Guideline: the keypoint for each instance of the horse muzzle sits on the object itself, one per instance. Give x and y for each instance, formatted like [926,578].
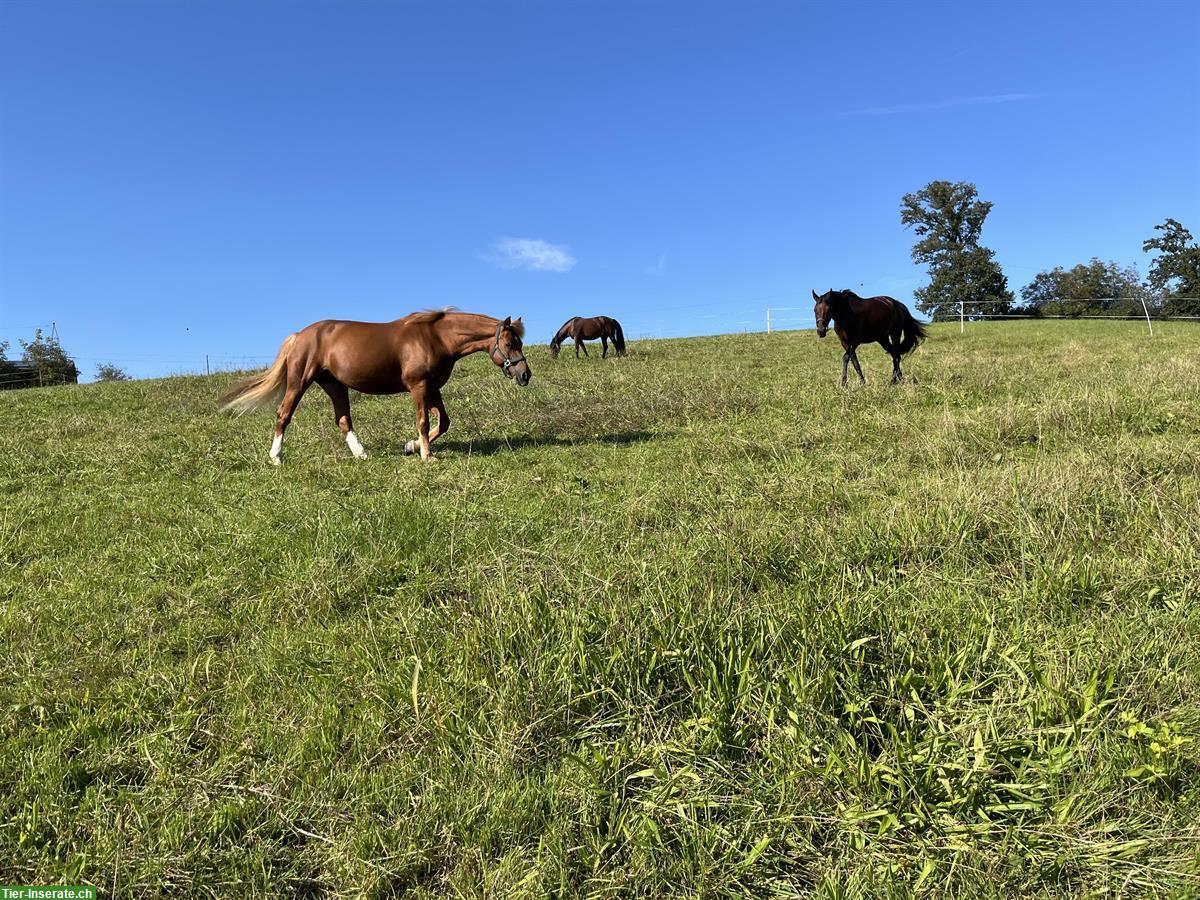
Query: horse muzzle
[821,332]
[519,372]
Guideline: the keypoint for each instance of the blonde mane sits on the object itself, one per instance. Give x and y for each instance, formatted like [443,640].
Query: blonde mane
[434,315]
[428,315]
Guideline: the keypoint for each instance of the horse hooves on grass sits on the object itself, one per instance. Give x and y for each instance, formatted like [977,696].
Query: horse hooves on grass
[410,448]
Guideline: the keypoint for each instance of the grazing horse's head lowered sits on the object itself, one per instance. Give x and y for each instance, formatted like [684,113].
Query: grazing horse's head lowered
[506,351]
[579,329]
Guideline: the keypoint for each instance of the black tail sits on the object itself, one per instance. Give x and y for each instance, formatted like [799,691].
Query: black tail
[618,336]
[914,331]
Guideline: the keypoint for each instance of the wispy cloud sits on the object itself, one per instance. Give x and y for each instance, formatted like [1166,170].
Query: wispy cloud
[659,269]
[530,253]
[943,104]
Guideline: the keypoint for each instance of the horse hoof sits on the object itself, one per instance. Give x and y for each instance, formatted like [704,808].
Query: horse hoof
[430,458]
[277,460]
[410,448]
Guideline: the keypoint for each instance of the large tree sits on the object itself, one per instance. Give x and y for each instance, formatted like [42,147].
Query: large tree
[1175,272]
[948,218]
[1091,288]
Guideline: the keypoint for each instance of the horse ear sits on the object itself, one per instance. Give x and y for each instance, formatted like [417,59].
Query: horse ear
[815,297]
[507,321]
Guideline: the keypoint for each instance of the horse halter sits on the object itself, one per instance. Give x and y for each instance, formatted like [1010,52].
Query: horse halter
[828,299]
[507,362]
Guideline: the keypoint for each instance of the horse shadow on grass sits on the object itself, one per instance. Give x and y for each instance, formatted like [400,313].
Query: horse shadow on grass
[492,446]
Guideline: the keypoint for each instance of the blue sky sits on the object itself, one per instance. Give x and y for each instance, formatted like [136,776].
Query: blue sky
[179,179]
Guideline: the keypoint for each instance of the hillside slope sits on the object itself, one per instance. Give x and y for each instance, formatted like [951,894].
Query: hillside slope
[696,621]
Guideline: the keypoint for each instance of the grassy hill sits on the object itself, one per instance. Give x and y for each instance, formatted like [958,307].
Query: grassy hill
[692,622]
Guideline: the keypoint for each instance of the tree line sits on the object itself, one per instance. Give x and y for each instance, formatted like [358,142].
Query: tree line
[44,362]
[948,218]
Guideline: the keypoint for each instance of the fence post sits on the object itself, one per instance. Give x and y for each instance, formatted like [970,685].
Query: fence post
[962,325]
[768,320]
[1146,310]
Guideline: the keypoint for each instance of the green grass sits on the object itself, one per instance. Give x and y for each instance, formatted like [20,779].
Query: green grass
[696,622]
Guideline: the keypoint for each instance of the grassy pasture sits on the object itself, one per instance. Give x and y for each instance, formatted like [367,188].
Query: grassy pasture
[696,622]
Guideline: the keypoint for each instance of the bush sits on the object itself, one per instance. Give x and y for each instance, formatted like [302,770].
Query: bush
[46,355]
[110,372]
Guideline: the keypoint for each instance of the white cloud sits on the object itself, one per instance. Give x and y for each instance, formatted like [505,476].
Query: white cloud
[659,268]
[530,253]
[942,104]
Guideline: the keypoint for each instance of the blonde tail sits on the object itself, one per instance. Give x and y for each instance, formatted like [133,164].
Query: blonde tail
[265,390]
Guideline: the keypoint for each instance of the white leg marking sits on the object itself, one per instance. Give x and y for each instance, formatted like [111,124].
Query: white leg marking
[277,450]
[411,447]
[355,445]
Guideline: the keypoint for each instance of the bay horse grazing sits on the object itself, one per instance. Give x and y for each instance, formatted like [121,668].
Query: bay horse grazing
[863,320]
[580,329]
[415,354]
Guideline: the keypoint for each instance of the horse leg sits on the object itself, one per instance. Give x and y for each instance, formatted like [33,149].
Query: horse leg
[579,343]
[297,383]
[897,375]
[420,395]
[846,359]
[443,424]
[891,346]
[854,362]
[339,394]
[604,342]
[852,354]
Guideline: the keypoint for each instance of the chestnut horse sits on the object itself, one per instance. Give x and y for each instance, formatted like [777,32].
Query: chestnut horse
[863,320]
[414,354]
[603,327]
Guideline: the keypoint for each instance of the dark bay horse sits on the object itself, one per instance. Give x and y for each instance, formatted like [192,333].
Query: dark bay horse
[414,354]
[863,320]
[603,327]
